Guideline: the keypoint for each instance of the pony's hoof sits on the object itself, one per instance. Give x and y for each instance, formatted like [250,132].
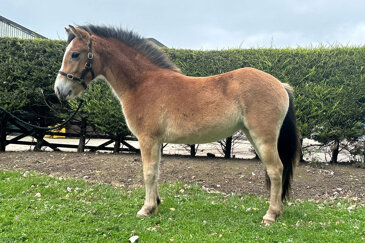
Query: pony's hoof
[268,219]
[145,212]
[141,213]
[267,222]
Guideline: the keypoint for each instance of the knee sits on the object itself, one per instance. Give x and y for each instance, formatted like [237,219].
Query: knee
[150,177]
[151,173]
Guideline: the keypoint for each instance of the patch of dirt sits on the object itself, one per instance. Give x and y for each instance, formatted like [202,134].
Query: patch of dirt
[325,182]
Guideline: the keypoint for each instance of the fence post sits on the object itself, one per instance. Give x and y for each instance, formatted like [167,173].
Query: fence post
[227,152]
[39,136]
[117,144]
[81,147]
[192,150]
[3,124]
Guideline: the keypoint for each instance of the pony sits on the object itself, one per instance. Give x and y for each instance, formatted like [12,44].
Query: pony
[161,105]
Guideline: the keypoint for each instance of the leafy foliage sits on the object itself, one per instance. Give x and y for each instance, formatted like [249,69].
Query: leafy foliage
[28,68]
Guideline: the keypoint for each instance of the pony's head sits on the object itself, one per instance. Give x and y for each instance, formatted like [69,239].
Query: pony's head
[77,69]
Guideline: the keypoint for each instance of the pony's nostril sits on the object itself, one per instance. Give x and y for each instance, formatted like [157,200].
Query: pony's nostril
[68,96]
[64,94]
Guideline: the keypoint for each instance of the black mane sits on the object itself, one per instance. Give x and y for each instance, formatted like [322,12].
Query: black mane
[132,39]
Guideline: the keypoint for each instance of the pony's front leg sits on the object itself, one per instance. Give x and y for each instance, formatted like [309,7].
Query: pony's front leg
[151,154]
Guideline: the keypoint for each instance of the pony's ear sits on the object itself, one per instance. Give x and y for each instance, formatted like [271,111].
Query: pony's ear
[77,32]
[67,30]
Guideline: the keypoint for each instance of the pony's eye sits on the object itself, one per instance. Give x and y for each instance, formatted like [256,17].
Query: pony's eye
[75,55]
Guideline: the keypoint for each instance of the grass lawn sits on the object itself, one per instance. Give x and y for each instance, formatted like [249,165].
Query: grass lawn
[40,208]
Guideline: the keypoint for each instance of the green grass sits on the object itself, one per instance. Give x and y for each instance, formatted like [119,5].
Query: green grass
[44,209]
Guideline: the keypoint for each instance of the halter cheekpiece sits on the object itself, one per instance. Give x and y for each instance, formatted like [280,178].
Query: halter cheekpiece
[87,69]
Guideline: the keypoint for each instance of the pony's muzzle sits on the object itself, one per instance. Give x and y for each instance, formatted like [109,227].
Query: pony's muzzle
[63,94]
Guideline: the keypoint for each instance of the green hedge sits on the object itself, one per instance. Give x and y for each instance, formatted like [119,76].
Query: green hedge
[28,69]
[329,82]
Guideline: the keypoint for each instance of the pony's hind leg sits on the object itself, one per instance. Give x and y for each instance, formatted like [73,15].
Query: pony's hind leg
[270,157]
[151,154]
[266,148]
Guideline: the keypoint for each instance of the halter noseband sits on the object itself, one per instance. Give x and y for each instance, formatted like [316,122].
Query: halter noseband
[88,68]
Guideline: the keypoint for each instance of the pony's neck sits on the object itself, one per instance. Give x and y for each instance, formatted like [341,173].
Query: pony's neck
[124,67]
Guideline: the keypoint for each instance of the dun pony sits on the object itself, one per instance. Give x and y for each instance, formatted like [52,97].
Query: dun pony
[161,105]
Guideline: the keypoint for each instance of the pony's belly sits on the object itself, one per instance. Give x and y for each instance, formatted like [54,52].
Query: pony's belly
[202,135]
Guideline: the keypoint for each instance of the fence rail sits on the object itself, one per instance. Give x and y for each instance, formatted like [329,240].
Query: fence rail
[121,144]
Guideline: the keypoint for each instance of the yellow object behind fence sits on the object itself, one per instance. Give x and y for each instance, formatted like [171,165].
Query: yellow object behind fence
[62,130]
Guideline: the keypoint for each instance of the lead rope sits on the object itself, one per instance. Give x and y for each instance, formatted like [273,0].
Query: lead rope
[44,128]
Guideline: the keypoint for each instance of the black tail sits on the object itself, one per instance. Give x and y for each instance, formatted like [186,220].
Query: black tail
[288,145]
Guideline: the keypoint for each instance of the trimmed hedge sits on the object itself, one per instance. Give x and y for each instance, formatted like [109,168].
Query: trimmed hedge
[28,68]
[329,82]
